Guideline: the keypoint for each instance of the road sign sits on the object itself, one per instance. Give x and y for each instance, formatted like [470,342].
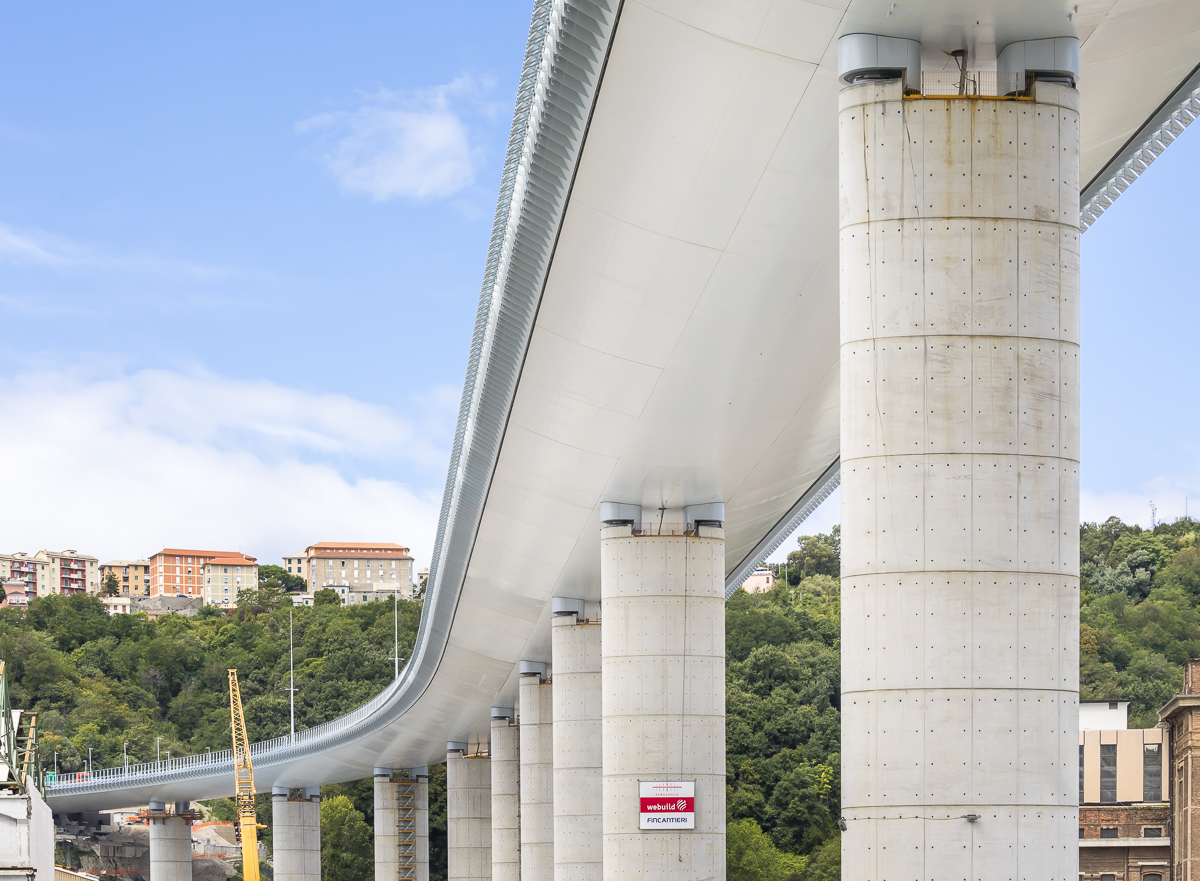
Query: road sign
[669,805]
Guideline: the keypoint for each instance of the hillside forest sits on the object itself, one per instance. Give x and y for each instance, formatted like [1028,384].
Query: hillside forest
[108,684]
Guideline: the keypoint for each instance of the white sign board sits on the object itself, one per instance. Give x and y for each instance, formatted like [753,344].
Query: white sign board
[669,805]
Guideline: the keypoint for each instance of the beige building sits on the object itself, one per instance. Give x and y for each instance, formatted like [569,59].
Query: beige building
[51,572]
[225,576]
[760,580]
[363,569]
[132,575]
[297,565]
[1124,797]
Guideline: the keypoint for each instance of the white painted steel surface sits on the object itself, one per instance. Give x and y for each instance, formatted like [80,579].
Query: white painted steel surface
[663,701]
[296,838]
[468,817]
[667,296]
[506,801]
[960,484]
[170,849]
[578,792]
[536,710]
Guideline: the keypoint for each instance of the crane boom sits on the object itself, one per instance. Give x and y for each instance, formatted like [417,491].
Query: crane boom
[243,771]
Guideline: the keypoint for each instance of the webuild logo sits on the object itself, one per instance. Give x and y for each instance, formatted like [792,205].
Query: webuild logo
[668,805]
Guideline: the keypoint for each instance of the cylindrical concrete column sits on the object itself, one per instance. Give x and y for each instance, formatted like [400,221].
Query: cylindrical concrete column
[422,777]
[537,779]
[468,817]
[960,487]
[578,798]
[506,797]
[296,835]
[387,827]
[170,847]
[663,704]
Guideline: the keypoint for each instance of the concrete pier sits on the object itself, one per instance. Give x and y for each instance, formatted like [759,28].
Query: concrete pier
[663,707]
[170,842]
[387,825]
[960,499]
[537,778]
[421,775]
[296,834]
[578,799]
[468,816]
[506,801]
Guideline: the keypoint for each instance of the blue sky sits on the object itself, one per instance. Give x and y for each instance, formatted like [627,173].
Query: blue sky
[241,247]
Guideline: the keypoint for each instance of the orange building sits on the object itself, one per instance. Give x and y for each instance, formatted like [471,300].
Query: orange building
[180,572]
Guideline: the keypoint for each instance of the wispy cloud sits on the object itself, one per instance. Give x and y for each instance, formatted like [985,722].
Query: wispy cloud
[122,464]
[413,145]
[30,247]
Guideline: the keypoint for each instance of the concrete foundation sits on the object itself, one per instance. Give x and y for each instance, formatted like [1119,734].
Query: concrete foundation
[960,511]
[537,779]
[663,705]
[296,835]
[170,847]
[506,801]
[468,817]
[387,825]
[578,799]
[422,779]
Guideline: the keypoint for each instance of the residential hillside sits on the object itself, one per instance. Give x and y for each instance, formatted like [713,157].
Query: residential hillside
[101,682]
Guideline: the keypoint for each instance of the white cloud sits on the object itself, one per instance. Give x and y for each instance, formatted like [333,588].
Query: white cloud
[120,466]
[413,146]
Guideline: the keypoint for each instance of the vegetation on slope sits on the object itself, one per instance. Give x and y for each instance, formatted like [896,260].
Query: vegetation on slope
[101,682]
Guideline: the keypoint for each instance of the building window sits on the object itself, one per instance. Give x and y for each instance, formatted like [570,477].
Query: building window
[1108,832]
[1152,772]
[1152,877]
[1081,832]
[1152,832]
[1108,876]
[1108,773]
[1081,780]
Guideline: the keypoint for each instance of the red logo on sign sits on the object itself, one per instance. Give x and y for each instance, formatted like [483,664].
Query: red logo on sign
[668,805]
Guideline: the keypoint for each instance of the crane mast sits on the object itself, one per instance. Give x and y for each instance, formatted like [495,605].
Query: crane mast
[243,772]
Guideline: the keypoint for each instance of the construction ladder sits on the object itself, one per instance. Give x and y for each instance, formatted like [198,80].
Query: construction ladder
[406,829]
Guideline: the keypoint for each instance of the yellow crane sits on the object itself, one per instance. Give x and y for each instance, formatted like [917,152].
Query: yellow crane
[243,772]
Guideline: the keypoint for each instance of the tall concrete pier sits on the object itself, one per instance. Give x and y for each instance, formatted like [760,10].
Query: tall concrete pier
[468,815]
[387,827]
[663,704]
[960,414]
[506,800]
[421,775]
[537,778]
[578,800]
[296,834]
[170,842]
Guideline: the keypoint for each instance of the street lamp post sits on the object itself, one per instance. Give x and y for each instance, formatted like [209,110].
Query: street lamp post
[125,753]
[291,678]
[56,766]
[158,749]
[89,760]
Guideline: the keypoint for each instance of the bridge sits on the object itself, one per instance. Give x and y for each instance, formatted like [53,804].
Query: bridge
[682,346]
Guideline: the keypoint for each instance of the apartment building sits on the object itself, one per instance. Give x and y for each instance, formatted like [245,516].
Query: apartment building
[297,565]
[180,571]
[225,576]
[760,580]
[51,572]
[381,568]
[1124,800]
[132,575]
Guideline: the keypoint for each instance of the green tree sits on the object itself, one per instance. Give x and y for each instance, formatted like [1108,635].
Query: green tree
[346,845]
[282,577]
[326,596]
[111,586]
[750,855]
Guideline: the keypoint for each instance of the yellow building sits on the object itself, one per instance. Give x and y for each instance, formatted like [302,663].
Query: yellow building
[132,575]
[226,576]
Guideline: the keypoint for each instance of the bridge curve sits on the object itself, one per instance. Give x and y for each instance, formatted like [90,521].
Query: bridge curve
[658,324]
